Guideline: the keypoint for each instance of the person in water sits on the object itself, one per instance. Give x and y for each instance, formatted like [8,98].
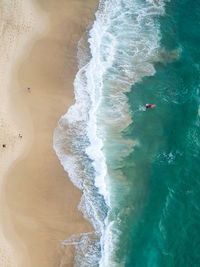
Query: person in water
[149,106]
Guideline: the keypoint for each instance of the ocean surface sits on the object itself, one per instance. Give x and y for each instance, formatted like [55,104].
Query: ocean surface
[139,170]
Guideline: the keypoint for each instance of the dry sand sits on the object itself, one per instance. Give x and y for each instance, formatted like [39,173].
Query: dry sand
[38,201]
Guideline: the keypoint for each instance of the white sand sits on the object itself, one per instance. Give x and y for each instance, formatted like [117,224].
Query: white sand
[38,202]
[19,25]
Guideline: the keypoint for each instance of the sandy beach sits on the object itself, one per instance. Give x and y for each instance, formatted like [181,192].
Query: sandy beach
[38,207]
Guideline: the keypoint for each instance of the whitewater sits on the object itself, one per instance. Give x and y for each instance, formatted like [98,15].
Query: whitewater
[89,140]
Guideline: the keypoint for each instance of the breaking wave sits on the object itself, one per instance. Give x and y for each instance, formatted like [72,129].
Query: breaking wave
[124,43]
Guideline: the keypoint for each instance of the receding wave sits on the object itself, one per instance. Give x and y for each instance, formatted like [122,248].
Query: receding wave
[124,43]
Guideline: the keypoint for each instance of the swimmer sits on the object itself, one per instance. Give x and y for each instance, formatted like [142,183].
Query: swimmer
[149,106]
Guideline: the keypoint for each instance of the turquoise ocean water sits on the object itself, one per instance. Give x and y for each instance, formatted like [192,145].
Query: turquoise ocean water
[138,170]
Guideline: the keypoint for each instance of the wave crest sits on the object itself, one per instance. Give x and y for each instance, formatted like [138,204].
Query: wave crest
[124,44]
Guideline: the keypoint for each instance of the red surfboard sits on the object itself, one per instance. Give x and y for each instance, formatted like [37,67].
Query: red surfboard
[149,106]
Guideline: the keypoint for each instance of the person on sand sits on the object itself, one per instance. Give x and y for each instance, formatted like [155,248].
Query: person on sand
[4,145]
[29,89]
[20,136]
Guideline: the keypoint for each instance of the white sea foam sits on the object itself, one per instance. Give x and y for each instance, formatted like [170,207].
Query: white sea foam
[124,44]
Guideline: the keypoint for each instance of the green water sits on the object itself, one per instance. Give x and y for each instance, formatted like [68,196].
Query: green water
[162,224]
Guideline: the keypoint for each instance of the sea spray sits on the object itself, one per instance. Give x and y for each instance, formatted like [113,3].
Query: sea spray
[129,44]
[124,43]
[70,144]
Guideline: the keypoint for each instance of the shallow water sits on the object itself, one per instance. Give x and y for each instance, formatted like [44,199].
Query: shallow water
[138,170]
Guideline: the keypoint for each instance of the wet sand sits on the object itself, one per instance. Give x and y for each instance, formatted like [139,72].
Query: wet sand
[38,201]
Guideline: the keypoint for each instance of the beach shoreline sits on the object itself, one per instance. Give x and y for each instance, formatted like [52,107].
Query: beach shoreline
[38,201]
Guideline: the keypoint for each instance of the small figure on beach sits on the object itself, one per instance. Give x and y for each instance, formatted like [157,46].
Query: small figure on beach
[20,136]
[29,89]
[4,145]
[149,106]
